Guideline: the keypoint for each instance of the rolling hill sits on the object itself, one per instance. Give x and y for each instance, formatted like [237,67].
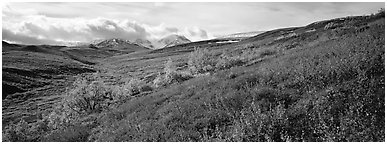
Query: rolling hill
[35,74]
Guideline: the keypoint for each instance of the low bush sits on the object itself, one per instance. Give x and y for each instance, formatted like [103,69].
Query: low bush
[24,132]
[135,86]
[201,61]
[204,60]
[171,75]
[225,61]
[88,98]
[267,52]
[77,114]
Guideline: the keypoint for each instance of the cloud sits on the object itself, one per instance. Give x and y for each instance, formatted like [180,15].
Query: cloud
[76,21]
[25,39]
[198,32]
[105,28]
[195,33]
[159,4]
[40,29]
[29,26]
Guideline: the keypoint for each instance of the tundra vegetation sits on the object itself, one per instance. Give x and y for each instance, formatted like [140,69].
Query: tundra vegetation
[320,85]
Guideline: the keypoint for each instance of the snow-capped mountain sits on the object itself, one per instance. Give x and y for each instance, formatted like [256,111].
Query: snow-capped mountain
[113,43]
[118,44]
[72,43]
[96,41]
[168,41]
[172,40]
[144,43]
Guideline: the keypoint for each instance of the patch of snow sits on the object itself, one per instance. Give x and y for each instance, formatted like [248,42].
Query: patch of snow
[312,30]
[242,35]
[230,41]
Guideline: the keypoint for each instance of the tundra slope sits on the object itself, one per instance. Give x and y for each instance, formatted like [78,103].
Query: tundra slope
[321,82]
[34,76]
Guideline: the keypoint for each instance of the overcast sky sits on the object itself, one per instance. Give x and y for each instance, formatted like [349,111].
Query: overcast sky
[53,23]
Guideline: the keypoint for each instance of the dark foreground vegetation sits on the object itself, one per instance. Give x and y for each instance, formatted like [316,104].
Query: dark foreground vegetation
[322,82]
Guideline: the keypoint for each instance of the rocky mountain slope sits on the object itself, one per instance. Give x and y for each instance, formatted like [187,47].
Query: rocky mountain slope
[172,40]
[144,43]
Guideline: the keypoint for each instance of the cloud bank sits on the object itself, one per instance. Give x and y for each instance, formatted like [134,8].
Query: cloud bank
[35,28]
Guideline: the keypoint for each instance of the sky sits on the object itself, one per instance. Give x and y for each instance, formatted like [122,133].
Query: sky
[57,23]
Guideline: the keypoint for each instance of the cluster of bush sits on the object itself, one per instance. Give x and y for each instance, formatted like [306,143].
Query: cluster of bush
[330,92]
[171,75]
[76,115]
[204,60]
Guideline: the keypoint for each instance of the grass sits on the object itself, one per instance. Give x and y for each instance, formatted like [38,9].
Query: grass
[322,89]
[29,77]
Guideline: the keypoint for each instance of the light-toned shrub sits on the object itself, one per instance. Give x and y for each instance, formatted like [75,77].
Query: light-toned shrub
[330,25]
[171,75]
[133,86]
[199,59]
[159,81]
[87,98]
[226,61]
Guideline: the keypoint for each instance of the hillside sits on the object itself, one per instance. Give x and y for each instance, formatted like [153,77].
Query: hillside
[242,35]
[320,82]
[36,74]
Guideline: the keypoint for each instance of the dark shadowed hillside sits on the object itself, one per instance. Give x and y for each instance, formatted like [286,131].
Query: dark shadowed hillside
[34,75]
[320,82]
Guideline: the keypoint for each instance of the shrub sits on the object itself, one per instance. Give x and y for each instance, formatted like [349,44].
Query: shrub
[171,75]
[88,98]
[330,25]
[159,81]
[133,86]
[145,88]
[267,52]
[201,61]
[170,72]
[78,113]
[225,61]
[24,132]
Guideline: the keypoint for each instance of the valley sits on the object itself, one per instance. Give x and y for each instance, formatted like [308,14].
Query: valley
[319,82]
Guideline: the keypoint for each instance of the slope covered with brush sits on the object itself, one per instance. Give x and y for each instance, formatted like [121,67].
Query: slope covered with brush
[321,82]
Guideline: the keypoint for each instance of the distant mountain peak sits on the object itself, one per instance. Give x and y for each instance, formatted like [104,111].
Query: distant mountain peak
[113,42]
[168,41]
[173,40]
[144,43]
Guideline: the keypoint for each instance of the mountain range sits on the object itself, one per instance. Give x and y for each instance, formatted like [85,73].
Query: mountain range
[167,41]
